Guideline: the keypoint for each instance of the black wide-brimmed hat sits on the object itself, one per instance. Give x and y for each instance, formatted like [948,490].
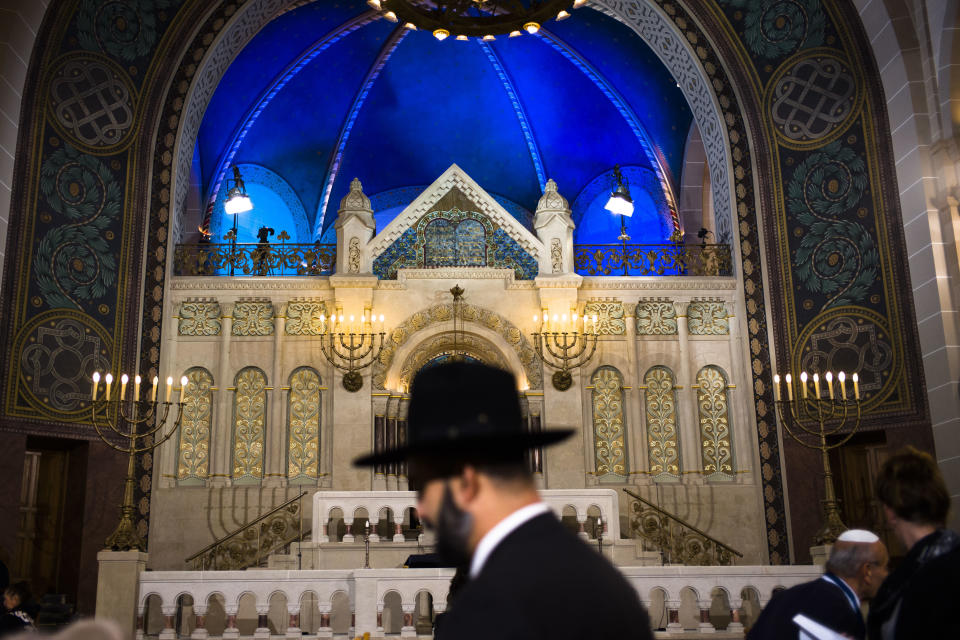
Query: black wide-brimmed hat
[467,410]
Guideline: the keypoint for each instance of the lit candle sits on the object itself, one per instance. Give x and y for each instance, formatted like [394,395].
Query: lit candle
[789,380]
[803,384]
[381,322]
[109,380]
[563,319]
[595,330]
[574,320]
[323,323]
[776,387]
[352,324]
[124,379]
[842,377]
[556,320]
[829,377]
[169,388]
[96,383]
[340,324]
[153,389]
[816,385]
[136,388]
[856,387]
[183,387]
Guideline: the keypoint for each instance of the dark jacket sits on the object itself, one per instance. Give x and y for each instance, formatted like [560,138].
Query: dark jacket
[15,621]
[819,600]
[543,582]
[922,591]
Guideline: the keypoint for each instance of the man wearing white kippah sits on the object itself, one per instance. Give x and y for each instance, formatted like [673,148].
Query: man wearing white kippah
[855,570]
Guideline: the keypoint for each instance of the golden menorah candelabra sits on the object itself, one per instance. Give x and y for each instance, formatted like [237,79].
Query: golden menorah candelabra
[561,345]
[129,420]
[821,423]
[351,347]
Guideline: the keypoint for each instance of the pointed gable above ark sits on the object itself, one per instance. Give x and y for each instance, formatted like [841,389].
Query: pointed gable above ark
[455,223]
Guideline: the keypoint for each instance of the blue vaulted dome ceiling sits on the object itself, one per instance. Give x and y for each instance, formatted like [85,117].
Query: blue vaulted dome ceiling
[328,92]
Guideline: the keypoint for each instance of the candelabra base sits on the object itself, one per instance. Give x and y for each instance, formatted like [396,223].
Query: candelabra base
[832,524]
[562,380]
[352,381]
[125,536]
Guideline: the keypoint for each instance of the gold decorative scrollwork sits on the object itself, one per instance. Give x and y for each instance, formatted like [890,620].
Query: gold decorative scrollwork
[609,453]
[199,318]
[249,420]
[663,450]
[678,543]
[652,259]
[253,318]
[715,448]
[656,318]
[193,461]
[609,316]
[253,259]
[707,318]
[304,411]
[303,318]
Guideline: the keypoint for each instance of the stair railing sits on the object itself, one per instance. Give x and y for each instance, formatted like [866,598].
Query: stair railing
[254,541]
[679,541]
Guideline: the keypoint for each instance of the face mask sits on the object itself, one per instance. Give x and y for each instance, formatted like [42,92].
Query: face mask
[453,528]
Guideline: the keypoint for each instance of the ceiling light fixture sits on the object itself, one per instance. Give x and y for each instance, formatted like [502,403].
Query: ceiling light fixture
[237,199]
[440,34]
[620,202]
[475,18]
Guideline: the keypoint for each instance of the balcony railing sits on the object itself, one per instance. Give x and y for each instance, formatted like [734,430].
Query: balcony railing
[652,259]
[254,259]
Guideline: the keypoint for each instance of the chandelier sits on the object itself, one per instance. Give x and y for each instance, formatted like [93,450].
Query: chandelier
[484,19]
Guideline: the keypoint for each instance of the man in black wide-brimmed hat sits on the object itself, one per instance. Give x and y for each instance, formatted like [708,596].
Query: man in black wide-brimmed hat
[528,576]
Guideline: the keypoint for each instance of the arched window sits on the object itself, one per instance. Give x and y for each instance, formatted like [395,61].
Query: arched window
[303,426]
[716,449]
[663,450]
[249,424]
[609,452]
[193,459]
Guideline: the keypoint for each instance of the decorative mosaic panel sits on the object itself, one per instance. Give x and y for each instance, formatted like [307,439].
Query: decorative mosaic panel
[249,423]
[656,318]
[610,456]
[716,450]
[193,461]
[609,314]
[199,318]
[253,319]
[663,451]
[303,414]
[706,318]
[303,318]
[455,238]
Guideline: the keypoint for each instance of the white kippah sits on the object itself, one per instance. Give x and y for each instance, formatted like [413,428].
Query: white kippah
[858,535]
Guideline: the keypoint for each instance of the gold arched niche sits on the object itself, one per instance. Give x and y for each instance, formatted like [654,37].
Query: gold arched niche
[443,343]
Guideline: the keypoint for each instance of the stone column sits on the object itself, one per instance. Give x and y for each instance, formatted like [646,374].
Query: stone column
[408,630]
[705,625]
[263,627]
[348,522]
[274,472]
[293,626]
[581,529]
[673,611]
[632,400]
[141,623]
[735,626]
[220,437]
[380,401]
[118,587]
[687,425]
[380,618]
[231,632]
[398,526]
[168,611]
[200,630]
[554,227]
[168,454]
[355,227]
[324,631]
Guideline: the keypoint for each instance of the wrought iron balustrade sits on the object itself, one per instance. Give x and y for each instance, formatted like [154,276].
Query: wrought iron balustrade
[254,259]
[679,541]
[652,259]
[250,545]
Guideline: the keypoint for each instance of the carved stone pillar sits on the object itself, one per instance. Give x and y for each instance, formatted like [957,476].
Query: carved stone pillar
[554,227]
[231,632]
[325,631]
[220,436]
[355,228]
[168,611]
[380,618]
[398,527]
[735,626]
[673,612]
[408,630]
[687,424]
[293,625]
[581,530]
[141,623]
[275,472]
[200,616]
[348,536]
[263,627]
[705,625]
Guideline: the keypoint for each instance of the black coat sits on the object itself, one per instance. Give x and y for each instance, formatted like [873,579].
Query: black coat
[819,600]
[926,585]
[542,582]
